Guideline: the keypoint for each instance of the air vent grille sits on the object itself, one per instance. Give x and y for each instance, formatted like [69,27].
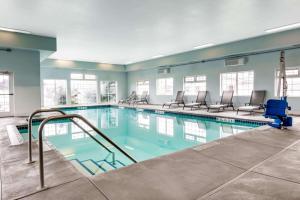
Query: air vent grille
[234,62]
[164,71]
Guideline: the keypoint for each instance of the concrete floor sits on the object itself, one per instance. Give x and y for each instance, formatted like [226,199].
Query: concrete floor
[263,163]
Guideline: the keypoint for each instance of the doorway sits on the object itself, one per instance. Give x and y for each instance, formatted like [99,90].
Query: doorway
[6,94]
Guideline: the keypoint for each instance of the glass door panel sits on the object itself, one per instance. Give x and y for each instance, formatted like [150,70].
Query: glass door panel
[108,90]
[6,94]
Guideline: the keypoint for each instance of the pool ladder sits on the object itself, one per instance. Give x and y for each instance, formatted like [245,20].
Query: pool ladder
[71,117]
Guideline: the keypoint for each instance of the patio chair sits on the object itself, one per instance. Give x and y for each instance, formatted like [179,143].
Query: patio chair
[130,98]
[200,101]
[257,100]
[143,98]
[179,100]
[226,102]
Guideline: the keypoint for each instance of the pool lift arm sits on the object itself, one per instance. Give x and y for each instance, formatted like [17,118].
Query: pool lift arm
[277,108]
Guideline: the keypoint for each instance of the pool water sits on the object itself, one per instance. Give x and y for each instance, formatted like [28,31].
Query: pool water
[142,134]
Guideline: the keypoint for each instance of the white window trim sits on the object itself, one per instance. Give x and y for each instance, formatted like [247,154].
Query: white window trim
[100,92]
[293,76]
[195,76]
[87,80]
[43,90]
[136,85]
[236,92]
[156,92]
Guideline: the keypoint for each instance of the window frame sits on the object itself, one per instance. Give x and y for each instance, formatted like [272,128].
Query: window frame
[108,94]
[84,78]
[55,80]
[236,88]
[194,81]
[136,86]
[288,76]
[164,93]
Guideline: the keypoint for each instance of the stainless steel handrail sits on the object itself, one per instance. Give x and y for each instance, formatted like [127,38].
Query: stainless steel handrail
[63,113]
[72,117]
[30,128]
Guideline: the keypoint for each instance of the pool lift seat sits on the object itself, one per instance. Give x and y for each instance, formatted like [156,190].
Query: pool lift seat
[276,109]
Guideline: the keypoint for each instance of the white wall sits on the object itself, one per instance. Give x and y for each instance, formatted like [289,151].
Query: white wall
[64,73]
[25,66]
[263,65]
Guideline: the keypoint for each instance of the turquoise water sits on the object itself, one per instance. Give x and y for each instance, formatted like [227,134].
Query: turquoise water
[143,135]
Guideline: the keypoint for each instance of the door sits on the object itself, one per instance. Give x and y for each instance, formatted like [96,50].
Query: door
[6,94]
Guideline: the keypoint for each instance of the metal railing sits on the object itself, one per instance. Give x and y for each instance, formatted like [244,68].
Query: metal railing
[30,119]
[63,113]
[70,117]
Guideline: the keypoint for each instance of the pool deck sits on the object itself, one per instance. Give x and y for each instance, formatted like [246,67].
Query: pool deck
[262,163]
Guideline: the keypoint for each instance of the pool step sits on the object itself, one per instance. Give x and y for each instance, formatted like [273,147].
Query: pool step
[119,164]
[81,167]
[92,167]
[106,165]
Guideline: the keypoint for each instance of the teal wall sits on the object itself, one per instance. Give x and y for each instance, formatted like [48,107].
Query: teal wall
[25,66]
[263,65]
[45,45]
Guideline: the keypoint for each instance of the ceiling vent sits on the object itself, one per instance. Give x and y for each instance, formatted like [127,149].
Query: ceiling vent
[164,71]
[234,62]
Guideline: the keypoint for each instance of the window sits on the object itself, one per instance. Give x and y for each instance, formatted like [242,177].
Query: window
[164,86]
[55,92]
[76,76]
[240,82]
[193,84]
[293,82]
[142,86]
[83,92]
[83,89]
[165,126]
[108,91]
[4,91]
[245,83]
[228,82]
[90,76]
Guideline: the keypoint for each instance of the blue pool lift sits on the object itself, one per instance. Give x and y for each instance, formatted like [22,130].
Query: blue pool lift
[277,108]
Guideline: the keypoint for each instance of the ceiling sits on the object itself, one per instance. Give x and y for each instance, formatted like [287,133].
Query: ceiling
[127,31]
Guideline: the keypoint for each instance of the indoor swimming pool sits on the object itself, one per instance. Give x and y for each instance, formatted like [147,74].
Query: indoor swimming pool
[142,134]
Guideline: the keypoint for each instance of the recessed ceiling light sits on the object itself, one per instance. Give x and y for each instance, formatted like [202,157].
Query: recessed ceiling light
[157,56]
[203,46]
[14,30]
[282,28]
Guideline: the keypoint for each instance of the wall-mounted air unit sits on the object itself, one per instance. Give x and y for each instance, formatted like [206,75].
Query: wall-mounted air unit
[164,71]
[234,62]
